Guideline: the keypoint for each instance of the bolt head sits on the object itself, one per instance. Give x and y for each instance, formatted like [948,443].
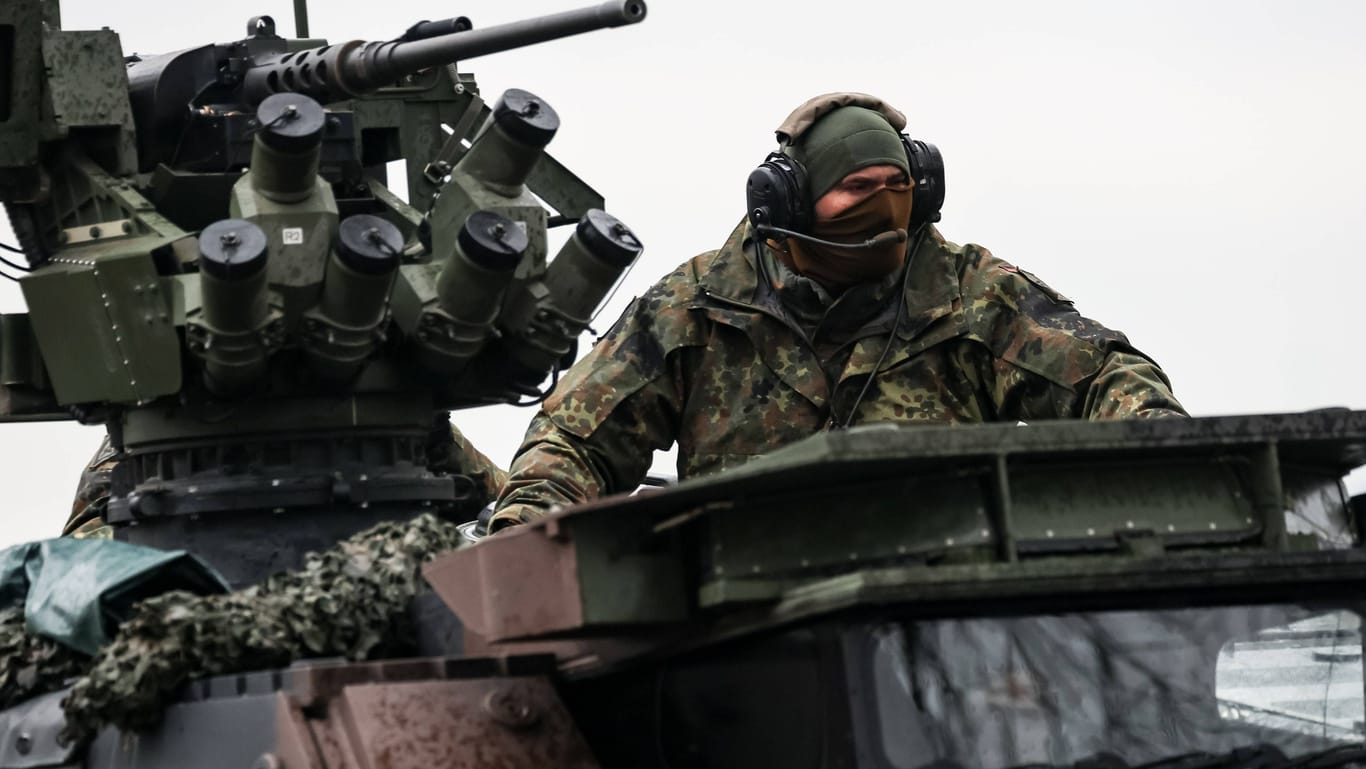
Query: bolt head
[510,709]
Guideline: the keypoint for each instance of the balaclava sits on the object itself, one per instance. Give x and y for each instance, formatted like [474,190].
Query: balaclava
[839,142]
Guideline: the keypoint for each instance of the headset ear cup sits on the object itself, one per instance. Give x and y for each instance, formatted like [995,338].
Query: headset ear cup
[927,169]
[775,194]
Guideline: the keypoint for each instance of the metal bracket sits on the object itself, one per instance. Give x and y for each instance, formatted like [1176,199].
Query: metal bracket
[117,228]
[454,148]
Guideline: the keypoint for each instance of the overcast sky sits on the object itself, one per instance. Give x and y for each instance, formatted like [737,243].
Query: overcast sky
[1193,174]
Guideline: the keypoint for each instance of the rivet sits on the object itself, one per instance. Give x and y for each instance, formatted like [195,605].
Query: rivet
[510,710]
[1048,533]
[1090,532]
[949,542]
[1213,525]
[1128,524]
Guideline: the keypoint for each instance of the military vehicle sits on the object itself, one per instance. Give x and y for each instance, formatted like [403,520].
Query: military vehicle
[217,272]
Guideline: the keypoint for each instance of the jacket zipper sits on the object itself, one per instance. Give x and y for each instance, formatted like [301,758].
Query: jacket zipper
[830,422]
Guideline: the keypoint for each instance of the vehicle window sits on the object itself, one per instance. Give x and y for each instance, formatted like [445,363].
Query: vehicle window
[1126,688]
[1302,677]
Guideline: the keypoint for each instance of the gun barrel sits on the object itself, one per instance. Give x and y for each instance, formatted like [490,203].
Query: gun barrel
[425,29]
[351,69]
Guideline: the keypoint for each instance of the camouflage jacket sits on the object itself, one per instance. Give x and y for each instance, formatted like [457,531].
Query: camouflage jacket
[708,359]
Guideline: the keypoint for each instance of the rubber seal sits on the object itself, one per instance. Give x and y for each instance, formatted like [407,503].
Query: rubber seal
[492,241]
[232,249]
[607,238]
[369,244]
[291,122]
[524,116]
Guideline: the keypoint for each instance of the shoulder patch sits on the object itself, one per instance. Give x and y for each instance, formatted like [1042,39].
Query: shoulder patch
[1048,291]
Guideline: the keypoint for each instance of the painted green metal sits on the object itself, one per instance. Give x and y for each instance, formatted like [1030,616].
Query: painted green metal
[932,517]
[122,346]
[86,88]
[225,396]
[21,46]
[86,201]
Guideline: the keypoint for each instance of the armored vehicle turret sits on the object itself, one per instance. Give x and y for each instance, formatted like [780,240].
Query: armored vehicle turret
[217,272]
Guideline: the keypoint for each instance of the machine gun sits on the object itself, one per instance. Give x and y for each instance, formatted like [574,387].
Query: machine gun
[217,271]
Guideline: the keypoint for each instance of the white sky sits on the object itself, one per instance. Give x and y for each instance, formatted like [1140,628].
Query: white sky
[1192,173]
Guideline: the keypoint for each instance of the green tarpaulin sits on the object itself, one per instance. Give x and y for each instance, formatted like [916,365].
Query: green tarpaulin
[77,591]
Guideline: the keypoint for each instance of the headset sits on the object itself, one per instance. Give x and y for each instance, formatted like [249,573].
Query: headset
[778,199]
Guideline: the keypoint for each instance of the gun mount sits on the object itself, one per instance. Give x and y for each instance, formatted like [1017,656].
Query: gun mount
[218,273]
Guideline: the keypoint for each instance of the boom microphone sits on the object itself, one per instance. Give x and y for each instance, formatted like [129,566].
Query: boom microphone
[893,236]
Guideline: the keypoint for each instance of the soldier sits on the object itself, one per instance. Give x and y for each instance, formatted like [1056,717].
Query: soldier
[816,315]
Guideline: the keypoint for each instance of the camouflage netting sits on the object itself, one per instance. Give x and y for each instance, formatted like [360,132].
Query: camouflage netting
[31,665]
[348,601]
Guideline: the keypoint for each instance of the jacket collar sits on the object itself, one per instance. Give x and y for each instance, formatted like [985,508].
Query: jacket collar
[731,272]
[931,287]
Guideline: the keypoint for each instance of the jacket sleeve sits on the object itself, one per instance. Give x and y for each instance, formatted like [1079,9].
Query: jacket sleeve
[450,452]
[1046,360]
[597,431]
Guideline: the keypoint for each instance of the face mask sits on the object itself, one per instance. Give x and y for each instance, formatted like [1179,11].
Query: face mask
[838,268]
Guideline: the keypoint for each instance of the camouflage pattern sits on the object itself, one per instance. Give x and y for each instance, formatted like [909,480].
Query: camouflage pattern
[450,452]
[92,496]
[30,664]
[708,358]
[349,601]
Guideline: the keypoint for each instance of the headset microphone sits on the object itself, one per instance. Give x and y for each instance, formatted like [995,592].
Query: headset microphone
[893,236]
